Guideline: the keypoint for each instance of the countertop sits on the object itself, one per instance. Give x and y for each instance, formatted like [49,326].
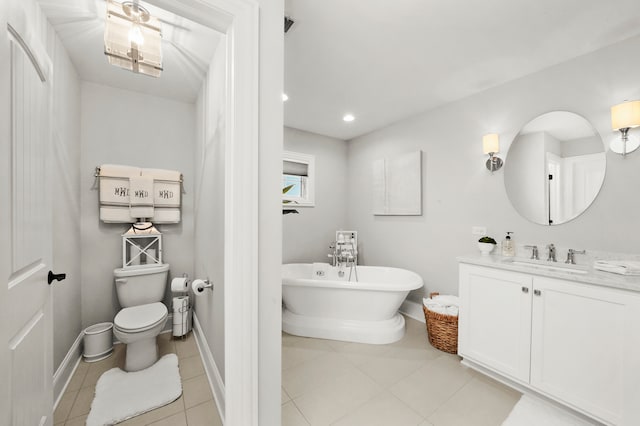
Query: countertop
[592,276]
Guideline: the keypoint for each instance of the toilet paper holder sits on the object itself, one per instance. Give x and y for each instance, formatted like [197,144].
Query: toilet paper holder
[206,285]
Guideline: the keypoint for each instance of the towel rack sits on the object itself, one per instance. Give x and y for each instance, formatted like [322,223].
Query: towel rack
[96,174]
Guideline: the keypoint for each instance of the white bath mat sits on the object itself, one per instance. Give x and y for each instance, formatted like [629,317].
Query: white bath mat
[121,395]
[531,411]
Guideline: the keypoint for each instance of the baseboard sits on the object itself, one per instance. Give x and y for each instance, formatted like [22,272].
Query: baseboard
[210,367]
[67,367]
[412,310]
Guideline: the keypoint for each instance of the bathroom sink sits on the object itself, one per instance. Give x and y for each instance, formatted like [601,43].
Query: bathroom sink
[549,266]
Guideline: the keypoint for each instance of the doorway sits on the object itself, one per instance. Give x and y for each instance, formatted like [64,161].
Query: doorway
[239,21]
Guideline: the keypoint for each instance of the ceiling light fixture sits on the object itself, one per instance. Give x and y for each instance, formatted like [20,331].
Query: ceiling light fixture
[133,38]
[625,116]
[348,118]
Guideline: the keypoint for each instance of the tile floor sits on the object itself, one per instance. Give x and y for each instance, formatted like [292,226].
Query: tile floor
[326,382]
[194,408]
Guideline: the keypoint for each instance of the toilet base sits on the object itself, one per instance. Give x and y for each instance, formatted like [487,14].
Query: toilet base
[141,354]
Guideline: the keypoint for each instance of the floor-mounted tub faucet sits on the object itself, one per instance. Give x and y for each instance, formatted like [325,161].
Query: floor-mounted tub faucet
[344,253]
[334,254]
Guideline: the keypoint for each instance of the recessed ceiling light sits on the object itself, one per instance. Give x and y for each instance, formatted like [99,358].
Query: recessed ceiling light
[348,118]
[285,97]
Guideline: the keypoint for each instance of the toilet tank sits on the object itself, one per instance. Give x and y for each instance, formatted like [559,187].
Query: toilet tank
[140,285]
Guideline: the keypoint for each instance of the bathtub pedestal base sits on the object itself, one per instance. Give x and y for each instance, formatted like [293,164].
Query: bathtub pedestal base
[359,331]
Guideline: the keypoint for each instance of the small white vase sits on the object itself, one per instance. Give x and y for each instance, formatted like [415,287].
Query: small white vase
[486,248]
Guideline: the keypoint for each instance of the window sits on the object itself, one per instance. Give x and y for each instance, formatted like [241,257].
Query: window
[298,172]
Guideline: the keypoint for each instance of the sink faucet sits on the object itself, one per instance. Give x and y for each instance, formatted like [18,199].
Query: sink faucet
[552,253]
[570,258]
[534,252]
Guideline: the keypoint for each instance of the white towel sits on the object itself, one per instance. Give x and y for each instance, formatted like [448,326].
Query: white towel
[166,194]
[161,174]
[166,187]
[113,214]
[165,215]
[622,267]
[141,197]
[118,171]
[447,305]
[114,183]
[447,300]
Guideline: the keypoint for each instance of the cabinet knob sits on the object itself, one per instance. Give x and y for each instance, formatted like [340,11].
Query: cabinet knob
[525,289]
[537,292]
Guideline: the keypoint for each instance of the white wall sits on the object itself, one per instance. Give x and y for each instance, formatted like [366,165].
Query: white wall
[210,204]
[525,176]
[307,235]
[124,127]
[269,312]
[459,192]
[67,323]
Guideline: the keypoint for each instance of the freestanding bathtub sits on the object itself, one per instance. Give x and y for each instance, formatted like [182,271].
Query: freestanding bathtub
[320,303]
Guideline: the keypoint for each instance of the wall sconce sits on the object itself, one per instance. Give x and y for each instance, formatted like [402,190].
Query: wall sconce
[491,146]
[133,38]
[625,116]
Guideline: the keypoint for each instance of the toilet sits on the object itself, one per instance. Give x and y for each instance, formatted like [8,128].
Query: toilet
[143,316]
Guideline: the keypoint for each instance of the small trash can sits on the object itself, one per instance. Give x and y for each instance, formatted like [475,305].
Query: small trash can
[98,341]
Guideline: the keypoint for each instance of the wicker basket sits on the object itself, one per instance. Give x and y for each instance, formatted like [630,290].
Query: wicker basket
[442,329]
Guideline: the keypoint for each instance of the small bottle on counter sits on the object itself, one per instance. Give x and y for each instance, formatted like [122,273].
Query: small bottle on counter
[508,246]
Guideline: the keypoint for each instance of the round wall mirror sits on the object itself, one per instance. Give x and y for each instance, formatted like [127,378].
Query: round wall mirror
[554,168]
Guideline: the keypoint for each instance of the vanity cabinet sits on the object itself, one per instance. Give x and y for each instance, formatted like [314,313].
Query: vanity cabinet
[495,320]
[576,343]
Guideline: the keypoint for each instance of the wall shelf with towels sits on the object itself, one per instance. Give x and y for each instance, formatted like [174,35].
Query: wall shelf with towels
[129,194]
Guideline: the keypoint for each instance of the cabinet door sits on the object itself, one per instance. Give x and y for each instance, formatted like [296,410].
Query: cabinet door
[584,347]
[495,320]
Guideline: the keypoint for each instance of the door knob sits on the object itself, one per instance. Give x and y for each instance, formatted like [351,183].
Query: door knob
[58,277]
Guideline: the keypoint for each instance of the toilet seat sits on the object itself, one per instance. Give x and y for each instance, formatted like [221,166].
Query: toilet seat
[140,318]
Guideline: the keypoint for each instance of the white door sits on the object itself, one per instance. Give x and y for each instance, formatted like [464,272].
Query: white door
[585,175]
[26,327]
[495,320]
[583,347]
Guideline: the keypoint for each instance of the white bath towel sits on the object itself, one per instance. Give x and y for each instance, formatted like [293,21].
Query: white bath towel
[447,305]
[115,214]
[161,174]
[166,215]
[118,171]
[166,194]
[114,184]
[167,186]
[447,300]
[622,267]
[141,196]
